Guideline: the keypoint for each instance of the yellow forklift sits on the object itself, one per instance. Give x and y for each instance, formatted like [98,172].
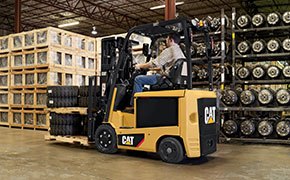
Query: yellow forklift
[169,118]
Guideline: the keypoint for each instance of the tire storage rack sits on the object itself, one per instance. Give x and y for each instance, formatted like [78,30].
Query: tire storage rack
[255,107]
[218,32]
[30,62]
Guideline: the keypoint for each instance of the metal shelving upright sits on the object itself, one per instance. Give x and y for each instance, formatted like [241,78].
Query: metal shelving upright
[220,35]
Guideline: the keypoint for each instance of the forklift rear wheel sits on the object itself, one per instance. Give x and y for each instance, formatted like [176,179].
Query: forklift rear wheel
[105,139]
[170,150]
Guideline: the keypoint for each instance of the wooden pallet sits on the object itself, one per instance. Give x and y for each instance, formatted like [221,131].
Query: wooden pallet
[82,140]
[29,118]
[50,36]
[23,126]
[39,78]
[28,98]
[69,110]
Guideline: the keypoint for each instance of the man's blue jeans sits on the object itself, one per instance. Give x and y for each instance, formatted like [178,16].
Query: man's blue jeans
[142,80]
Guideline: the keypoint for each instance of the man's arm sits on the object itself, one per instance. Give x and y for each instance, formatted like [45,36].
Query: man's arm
[143,66]
[157,62]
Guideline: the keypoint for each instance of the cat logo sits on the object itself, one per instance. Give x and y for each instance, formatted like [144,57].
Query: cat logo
[134,140]
[209,115]
[128,140]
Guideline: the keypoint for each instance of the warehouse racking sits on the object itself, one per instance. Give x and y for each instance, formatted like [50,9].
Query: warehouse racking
[256,122]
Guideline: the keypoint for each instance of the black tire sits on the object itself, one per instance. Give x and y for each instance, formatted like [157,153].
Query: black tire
[83,101]
[171,150]
[62,102]
[52,130]
[84,91]
[62,91]
[106,139]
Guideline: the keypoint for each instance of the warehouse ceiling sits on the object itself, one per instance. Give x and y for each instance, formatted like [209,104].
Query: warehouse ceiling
[117,16]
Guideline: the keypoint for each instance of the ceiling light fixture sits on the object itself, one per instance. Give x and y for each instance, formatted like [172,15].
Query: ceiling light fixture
[94,31]
[69,24]
[163,6]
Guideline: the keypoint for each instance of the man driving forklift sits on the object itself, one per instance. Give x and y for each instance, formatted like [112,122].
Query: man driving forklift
[162,64]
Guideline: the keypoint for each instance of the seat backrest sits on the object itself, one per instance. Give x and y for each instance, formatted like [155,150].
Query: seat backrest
[175,73]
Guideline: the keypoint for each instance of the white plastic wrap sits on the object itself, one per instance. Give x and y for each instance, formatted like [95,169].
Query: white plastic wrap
[17,41]
[3,116]
[80,43]
[68,79]
[17,117]
[41,119]
[18,60]
[91,46]
[81,61]
[68,59]
[55,37]
[41,37]
[42,78]
[4,44]
[56,78]
[4,80]
[29,59]
[29,99]
[29,79]
[3,98]
[91,63]
[17,98]
[67,40]
[42,58]
[18,79]
[29,39]
[56,57]
[81,80]
[28,118]
[41,98]
[3,62]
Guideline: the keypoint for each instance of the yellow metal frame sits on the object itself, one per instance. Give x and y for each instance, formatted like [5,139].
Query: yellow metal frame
[188,124]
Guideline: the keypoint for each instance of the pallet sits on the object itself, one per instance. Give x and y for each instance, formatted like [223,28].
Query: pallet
[50,36]
[53,58]
[21,126]
[40,78]
[34,118]
[28,98]
[82,140]
[69,110]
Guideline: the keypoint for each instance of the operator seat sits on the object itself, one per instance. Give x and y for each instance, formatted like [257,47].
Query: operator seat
[175,80]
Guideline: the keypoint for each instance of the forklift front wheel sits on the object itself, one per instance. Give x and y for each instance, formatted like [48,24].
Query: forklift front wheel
[170,150]
[106,139]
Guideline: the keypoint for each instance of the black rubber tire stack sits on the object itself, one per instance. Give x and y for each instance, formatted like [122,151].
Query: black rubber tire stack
[83,99]
[65,124]
[83,96]
[62,96]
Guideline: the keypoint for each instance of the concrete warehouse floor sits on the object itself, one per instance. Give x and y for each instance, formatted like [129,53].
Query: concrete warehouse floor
[25,155]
